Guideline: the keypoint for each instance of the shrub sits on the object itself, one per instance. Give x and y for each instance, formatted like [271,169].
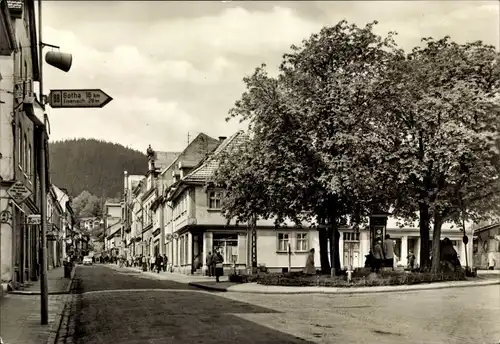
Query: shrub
[239,278]
[383,278]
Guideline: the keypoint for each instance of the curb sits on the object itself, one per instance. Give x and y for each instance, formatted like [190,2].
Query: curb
[60,292]
[208,287]
[56,326]
[343,291]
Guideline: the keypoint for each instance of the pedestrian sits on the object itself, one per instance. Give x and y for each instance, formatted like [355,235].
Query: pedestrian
[389,251]
[411,260]
[159,263]
[217,262]
[378,255]
[209,264]
[152,262]
[309,268]
[165,262]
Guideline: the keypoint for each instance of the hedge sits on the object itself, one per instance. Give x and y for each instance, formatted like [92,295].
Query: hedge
[359,279]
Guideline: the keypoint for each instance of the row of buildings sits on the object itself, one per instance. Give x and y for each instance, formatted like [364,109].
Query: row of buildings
[21,120]
[173,210]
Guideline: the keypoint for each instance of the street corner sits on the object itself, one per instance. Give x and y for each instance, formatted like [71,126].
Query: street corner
[255,288]
[213,286]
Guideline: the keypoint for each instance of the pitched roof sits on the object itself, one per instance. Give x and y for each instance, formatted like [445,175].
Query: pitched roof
[185,158]
[208,166]
[164,159]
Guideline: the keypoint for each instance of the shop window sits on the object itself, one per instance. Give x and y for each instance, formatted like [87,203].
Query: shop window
[227,245]
[283,241]
[302,242]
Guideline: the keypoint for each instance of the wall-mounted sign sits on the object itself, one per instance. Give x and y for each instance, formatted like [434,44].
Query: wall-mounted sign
[15,8]
[34,219]
[19,192]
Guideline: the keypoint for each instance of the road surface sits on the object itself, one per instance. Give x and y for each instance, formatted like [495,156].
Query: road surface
[120,307]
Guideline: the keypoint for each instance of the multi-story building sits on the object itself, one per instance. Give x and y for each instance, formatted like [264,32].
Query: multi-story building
[21,117]
[196,226]
[68,220]
[55,232]
[113,227]
[157,161]
[130,208]
[89,223]
[190,157]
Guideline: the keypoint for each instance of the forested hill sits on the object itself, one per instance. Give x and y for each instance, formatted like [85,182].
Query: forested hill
[93,165]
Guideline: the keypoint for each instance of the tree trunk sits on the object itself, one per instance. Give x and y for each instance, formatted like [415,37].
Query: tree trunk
[323,248]
[424,235]
[436,244]
[334,236]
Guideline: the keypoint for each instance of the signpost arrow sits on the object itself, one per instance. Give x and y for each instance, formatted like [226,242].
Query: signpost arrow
[78,98]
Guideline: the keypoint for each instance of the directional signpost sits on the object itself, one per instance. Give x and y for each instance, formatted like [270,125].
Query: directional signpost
[78,99]
[19,192]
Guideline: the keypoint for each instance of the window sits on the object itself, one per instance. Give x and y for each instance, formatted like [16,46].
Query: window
[283,241]
[25,151]
[28,166]
[214,200]
[302,242]
[20,146]
[228,246]
[351,236]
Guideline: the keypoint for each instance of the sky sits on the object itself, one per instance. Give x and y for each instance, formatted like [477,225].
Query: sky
[176,68]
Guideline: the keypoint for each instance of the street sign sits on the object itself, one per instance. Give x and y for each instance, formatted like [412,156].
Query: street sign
[19,192]
[78,98]
[34,219]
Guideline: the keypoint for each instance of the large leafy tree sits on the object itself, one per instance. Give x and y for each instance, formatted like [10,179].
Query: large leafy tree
[293,166]
[438,106]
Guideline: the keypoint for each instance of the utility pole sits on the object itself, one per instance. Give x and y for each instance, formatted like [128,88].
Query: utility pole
[43,194]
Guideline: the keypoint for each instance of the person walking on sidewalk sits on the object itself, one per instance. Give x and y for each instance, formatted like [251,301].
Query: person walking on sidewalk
[159,263]
[209,264]
[219,267]
[165,262]
[152,263]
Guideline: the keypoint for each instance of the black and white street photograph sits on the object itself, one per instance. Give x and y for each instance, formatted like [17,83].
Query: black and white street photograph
[221,172]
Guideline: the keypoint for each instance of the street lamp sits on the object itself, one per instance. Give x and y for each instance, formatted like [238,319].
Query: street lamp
[63,62]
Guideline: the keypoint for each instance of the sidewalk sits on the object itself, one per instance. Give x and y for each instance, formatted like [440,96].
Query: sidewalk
[169,276]
[484,278]
[20,315]
[57,284]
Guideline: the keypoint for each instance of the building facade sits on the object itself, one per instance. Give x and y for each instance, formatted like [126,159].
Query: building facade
[113,228]
[486,245]
[20,119]
[195,226]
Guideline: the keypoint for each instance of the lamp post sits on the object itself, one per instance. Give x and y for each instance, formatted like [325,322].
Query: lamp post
[63,62]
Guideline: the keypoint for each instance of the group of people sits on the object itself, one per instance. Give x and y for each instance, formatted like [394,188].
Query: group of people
[382,254]
[215,264]
[157,262]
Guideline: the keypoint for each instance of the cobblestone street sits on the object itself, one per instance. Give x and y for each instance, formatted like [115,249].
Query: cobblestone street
[110,305]
[468,315]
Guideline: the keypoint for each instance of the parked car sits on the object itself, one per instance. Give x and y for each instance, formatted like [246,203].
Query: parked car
[87,260]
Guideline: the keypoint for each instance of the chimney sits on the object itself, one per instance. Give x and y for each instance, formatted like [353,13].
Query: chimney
[222,138]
